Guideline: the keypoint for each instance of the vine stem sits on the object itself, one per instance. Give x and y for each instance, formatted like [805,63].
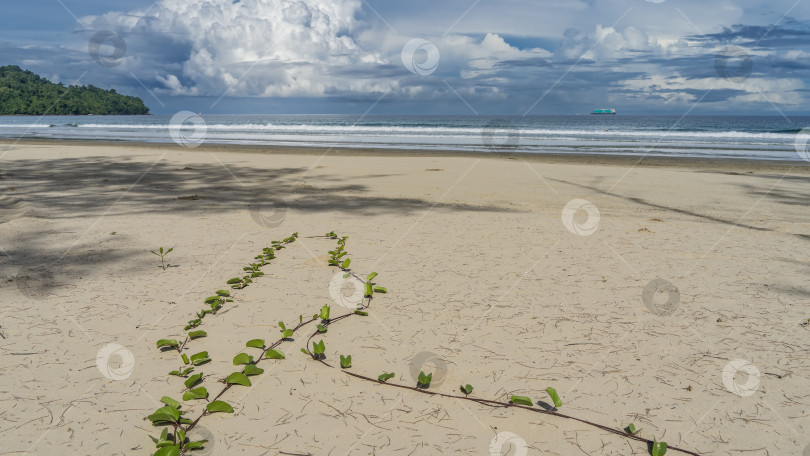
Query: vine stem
[494,403]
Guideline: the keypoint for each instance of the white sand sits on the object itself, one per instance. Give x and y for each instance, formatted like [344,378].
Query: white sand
[481,272]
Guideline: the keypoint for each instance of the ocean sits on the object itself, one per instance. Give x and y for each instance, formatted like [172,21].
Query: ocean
[754,137]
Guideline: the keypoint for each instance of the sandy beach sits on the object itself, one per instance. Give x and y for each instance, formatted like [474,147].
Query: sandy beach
[635,288]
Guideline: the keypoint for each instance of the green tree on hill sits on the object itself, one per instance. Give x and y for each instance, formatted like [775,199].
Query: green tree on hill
[25,93]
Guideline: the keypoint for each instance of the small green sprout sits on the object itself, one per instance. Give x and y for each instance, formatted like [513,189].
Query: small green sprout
[346,361]
[466,389]
[162,256]
[384,377]
[631,428]
[424,380]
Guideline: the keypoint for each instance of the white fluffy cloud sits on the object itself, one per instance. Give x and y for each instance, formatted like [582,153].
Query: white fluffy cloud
[249,47]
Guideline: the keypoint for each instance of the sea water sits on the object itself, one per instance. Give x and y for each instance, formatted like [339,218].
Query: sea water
[751,137]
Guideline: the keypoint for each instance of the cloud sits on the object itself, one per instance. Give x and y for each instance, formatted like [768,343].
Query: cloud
[250,47]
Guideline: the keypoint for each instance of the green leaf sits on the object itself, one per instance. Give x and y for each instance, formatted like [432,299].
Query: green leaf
[325,310]
[287,334]
[385,377]
[197,334]
[361,312]
[195,445]
[238,378]
[165,414]
[300,319]
[173,450]
[251,369]
[167,343]
[282,325]
[219,406]
[631,428]
[199,362]
[185,358]
[224,293]
[242,358]
[170,402]
[466,389]
[193,380]
[199,356]
[181,435]
[177,373]
[659,448]
[319,347]
[273,354]
[322,329]
[554,397]
[185,421]
[234,281]
[164,435]
[170,250]
[346,263]
[369,290]
[255,343]
[345,361]
[211,299]
[371,276]
[381,289]
[304,351]
[196,393]
[522,400]
[333,262]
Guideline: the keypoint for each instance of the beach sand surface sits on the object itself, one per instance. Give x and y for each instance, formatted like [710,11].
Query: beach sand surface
[487,286]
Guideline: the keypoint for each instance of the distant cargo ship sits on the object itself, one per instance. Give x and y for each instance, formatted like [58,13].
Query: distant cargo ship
[608,111]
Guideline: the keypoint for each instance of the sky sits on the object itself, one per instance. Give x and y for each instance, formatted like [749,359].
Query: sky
[505,57]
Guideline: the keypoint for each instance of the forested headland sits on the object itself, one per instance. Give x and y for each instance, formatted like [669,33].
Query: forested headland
[25,93]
